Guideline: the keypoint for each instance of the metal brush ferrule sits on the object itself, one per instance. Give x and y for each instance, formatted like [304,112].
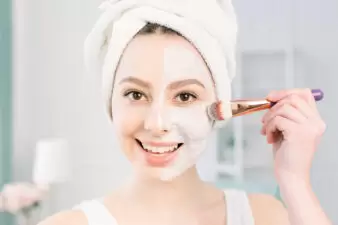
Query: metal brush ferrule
[242,107]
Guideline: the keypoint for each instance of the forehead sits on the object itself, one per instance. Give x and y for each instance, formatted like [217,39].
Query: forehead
[148,56]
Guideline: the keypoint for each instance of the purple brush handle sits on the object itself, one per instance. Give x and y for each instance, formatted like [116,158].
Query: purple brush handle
[317,94]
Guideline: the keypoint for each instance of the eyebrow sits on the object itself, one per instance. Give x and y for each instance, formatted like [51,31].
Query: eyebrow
[135,81]
[182,83]
[172,86]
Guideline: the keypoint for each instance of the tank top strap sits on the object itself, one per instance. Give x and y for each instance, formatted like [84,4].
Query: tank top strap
[238,208]
[96,213]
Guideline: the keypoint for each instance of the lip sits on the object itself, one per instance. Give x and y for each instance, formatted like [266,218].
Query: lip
[158,159]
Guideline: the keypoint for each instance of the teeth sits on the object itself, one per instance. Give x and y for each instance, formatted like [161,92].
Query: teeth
[159,149]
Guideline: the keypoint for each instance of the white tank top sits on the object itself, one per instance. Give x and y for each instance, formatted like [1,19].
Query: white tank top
[237,203]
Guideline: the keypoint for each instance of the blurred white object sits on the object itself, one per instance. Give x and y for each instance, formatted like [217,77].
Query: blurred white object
[52,162]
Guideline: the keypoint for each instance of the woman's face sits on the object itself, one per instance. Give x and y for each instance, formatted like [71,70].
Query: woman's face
[161,90]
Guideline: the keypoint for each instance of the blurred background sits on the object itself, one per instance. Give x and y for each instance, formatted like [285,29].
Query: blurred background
[45,95]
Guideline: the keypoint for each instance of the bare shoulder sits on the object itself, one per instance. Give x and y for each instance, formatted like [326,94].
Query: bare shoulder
[267,209]
[74,217]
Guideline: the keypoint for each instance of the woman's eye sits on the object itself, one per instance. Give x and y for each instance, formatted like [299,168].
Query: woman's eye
[185,97]
[135,96]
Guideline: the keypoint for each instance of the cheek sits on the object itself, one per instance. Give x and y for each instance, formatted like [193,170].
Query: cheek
[192,122]
[127,119]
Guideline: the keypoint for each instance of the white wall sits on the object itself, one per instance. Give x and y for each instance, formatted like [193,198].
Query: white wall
[53,96]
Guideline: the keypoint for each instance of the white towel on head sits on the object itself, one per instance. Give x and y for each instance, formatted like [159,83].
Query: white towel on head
[210,25]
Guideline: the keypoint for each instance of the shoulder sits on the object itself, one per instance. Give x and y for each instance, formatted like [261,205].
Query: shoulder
[74,217]
[267,209]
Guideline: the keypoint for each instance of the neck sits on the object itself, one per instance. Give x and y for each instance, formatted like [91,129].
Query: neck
[187,188]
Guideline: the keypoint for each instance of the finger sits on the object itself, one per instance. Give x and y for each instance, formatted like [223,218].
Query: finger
[278,127]
[297,103]
[300,104]
[287,111]
[306,94]
[270,137]
[274,137]
[263,130]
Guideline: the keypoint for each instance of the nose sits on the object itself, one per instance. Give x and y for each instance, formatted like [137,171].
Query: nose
[158,120]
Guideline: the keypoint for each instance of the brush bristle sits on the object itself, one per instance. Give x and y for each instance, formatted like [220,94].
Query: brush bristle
[215,111]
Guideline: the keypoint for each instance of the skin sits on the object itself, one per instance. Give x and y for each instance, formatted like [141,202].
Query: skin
[293,128]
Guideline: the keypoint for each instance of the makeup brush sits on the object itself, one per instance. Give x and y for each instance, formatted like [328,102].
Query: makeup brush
[217,110]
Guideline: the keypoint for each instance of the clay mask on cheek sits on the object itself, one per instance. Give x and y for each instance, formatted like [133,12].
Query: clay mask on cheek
[192,125]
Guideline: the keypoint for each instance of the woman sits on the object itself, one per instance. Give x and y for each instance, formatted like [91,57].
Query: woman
[157,82]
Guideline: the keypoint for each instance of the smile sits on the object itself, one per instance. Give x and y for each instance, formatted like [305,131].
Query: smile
[159,148]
